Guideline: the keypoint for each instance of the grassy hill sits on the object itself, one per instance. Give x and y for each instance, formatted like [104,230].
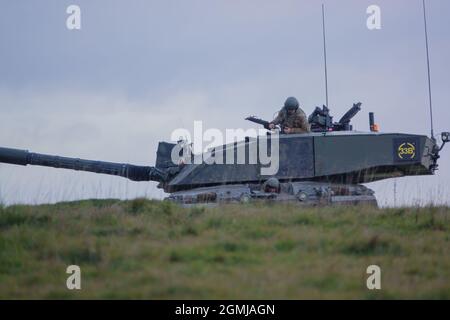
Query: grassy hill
[151,249]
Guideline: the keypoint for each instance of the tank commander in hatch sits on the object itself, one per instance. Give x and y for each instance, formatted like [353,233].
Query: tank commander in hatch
[291,118]
[272,185]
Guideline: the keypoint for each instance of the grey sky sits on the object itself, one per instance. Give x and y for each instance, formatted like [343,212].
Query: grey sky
[139,69]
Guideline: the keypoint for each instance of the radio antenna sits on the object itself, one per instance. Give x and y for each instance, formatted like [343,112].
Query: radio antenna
[325,54]
[428,69]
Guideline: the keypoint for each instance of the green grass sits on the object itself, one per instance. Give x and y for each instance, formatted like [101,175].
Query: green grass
[147,249]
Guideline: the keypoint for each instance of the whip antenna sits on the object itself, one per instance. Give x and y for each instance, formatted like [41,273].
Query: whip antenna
[325,54]
[428,68]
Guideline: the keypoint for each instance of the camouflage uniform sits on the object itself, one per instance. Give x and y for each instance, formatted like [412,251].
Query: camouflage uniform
[298,121]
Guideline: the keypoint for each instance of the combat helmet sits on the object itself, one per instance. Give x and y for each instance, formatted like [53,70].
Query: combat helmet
[291,103]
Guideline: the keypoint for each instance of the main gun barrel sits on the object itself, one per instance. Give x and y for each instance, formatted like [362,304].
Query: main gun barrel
[129,171]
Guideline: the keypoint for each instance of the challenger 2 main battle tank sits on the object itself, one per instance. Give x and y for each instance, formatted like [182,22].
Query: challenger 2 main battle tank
[325,166]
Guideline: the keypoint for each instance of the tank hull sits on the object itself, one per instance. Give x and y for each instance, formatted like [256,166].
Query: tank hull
[335,157]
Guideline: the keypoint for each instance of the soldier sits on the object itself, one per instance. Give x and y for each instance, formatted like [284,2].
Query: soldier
[291,118]
[272,185]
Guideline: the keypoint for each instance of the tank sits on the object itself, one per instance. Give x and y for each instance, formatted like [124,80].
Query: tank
[326,166]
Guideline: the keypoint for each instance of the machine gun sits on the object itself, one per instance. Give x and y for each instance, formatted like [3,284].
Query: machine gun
[321,121]
[262,122]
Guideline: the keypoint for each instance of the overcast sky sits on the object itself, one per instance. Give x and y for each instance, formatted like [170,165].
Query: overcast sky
[137,70]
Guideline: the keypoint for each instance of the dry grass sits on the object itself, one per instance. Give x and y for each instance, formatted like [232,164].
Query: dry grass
[149,249]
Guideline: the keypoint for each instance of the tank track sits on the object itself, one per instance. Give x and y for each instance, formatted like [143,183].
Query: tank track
[303,193]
